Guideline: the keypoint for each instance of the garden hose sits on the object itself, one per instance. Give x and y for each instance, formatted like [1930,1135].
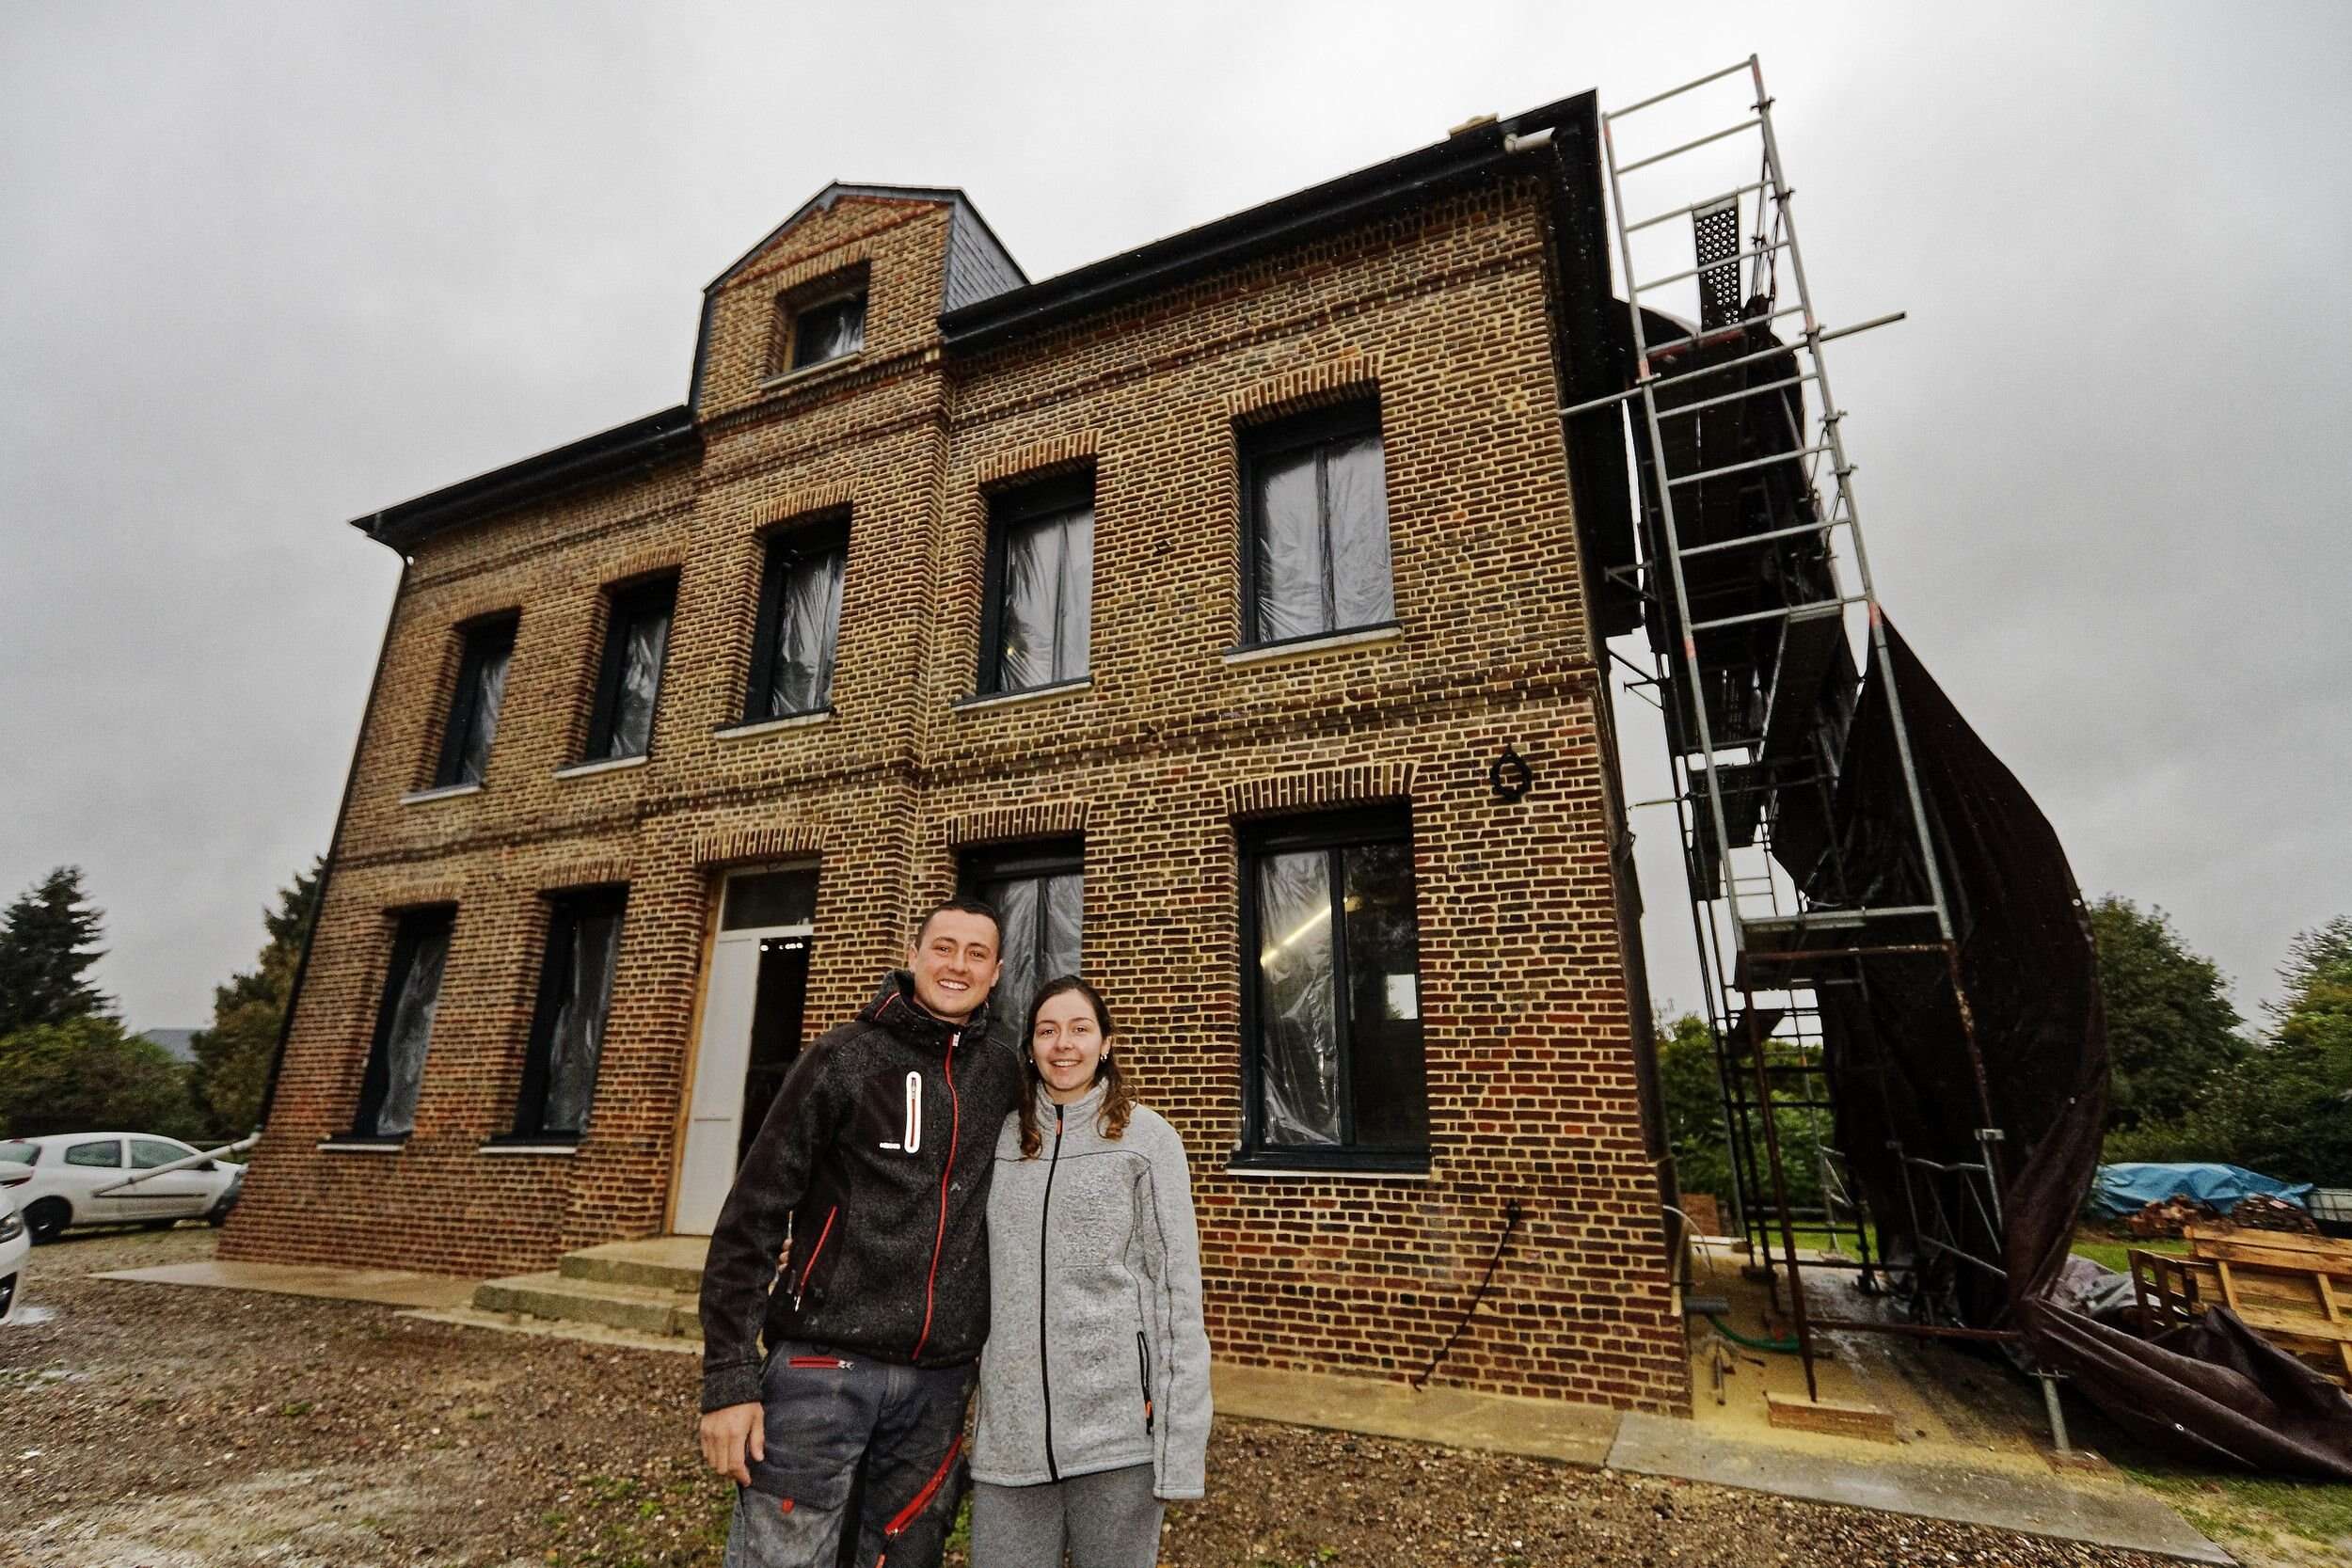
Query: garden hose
[1779,1347]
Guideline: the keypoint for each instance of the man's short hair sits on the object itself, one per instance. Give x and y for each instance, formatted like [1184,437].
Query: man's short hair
[963,904]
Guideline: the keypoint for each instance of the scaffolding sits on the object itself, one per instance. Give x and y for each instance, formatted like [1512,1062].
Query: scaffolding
[1758,605]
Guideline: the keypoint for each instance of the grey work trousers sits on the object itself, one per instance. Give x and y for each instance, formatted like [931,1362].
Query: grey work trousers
[1109,1519]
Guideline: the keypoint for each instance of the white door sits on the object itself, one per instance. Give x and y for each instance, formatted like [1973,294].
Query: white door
[750,1034]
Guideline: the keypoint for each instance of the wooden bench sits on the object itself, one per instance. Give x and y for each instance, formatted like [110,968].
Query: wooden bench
[2294,1290]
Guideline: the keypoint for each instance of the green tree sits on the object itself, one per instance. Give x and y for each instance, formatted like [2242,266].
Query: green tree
[2171,1028]
[1691,1096]
[232,1057]
[89,1074]
[2285,1108]
[48,936]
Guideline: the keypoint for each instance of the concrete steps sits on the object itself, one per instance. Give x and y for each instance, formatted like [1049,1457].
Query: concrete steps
[641,1288]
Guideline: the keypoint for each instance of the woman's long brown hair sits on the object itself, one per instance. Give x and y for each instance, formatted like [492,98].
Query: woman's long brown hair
[1118,1099]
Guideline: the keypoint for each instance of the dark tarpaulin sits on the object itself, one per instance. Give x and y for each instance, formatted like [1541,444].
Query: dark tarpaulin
[1899,1061]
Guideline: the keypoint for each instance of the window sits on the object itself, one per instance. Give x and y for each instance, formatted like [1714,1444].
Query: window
[799,623]
[567,1030]
[19,1152]
[1039,893]
[1315,529]
[473,709]
[1040,586]
[827,330]
[106,1153]
[636,635]
[1331,993]
[404,1025]
[147,1153]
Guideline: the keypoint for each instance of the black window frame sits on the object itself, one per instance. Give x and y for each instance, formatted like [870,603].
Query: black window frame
[412,927]
[1256,444]
[1008,509]
[786,549]
[566,910]
[1331,832]
[625,606]
[797,313]
[1043,858]
[481,639]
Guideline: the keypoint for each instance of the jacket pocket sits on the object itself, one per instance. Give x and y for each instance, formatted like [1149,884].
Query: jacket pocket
[808,1270]
[1143,1370]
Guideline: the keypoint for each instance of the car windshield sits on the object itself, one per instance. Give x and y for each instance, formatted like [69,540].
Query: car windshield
[18,1152]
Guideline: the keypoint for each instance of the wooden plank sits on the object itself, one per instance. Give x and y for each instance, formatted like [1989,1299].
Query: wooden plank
[2206,1241]
[2264,1253]
[1831,1416]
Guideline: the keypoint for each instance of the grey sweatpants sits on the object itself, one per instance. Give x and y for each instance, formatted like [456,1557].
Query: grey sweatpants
[1107,1520]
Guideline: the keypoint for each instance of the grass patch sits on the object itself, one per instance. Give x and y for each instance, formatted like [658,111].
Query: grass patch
[2261,1508]
[2112,1253]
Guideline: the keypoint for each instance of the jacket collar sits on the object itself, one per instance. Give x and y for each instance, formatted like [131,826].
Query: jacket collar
[894,1007]
[1082,1112]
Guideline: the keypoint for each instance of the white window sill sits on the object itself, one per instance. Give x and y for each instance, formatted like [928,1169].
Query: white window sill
[1325,1173]
[608,765]
[770,726]
[565,1149]
[1308,646]
[443,792]
[359,1145]
[1027,694]
[810,373]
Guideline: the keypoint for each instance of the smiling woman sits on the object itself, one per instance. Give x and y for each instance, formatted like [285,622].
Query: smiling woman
[1088,1426]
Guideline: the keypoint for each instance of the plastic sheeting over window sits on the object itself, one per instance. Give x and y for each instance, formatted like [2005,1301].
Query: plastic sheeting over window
[827,331]
[1046,614]
[1298,1027]
[642,641]
[1339,999]
[799,661]
[409,1031]
[473,709]
[482,716]
[575,1034]
[1320,535]
[1042,916]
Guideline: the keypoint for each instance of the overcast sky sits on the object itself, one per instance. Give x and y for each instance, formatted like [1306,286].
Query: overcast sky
[272,266]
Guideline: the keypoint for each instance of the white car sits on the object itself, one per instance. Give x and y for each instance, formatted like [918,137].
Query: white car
[15,1243]
[62,1178]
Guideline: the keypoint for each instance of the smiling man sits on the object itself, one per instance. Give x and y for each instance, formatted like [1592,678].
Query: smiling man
[874,1161]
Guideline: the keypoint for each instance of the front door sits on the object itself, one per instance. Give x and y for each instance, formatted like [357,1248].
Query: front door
[750,1034]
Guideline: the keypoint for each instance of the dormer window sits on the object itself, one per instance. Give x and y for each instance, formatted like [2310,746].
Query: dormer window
[825,326]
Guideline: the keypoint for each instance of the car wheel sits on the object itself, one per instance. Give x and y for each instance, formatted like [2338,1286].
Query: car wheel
[47,1218]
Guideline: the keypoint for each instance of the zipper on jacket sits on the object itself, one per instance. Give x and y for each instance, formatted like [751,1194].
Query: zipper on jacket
[955,1127]
[809,1268]
[1044,1235]
[1143,1369]
[906,1516]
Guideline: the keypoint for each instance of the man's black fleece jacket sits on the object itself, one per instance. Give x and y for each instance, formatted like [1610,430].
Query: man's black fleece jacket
[876,1156]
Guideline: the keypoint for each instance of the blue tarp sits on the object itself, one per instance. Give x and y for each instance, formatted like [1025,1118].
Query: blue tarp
[2126,1189]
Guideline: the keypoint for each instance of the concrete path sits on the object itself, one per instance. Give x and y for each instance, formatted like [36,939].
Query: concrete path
[2106,1513]
[1541,1429]
[386,1287]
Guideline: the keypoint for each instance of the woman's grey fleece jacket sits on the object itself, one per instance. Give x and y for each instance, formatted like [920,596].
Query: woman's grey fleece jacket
[1096,1356]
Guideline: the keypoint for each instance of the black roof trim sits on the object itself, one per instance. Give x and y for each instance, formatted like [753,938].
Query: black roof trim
[1286,220]
[637,445]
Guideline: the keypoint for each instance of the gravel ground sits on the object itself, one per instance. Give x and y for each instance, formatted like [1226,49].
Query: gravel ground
[149,1426]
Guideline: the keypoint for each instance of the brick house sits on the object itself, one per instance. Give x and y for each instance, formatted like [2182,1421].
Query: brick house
[1230,610]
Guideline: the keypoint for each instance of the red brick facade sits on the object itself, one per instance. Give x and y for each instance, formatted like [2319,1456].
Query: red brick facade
[1441,310]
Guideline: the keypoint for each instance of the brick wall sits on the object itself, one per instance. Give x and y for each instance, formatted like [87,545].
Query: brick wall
[1440,312]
